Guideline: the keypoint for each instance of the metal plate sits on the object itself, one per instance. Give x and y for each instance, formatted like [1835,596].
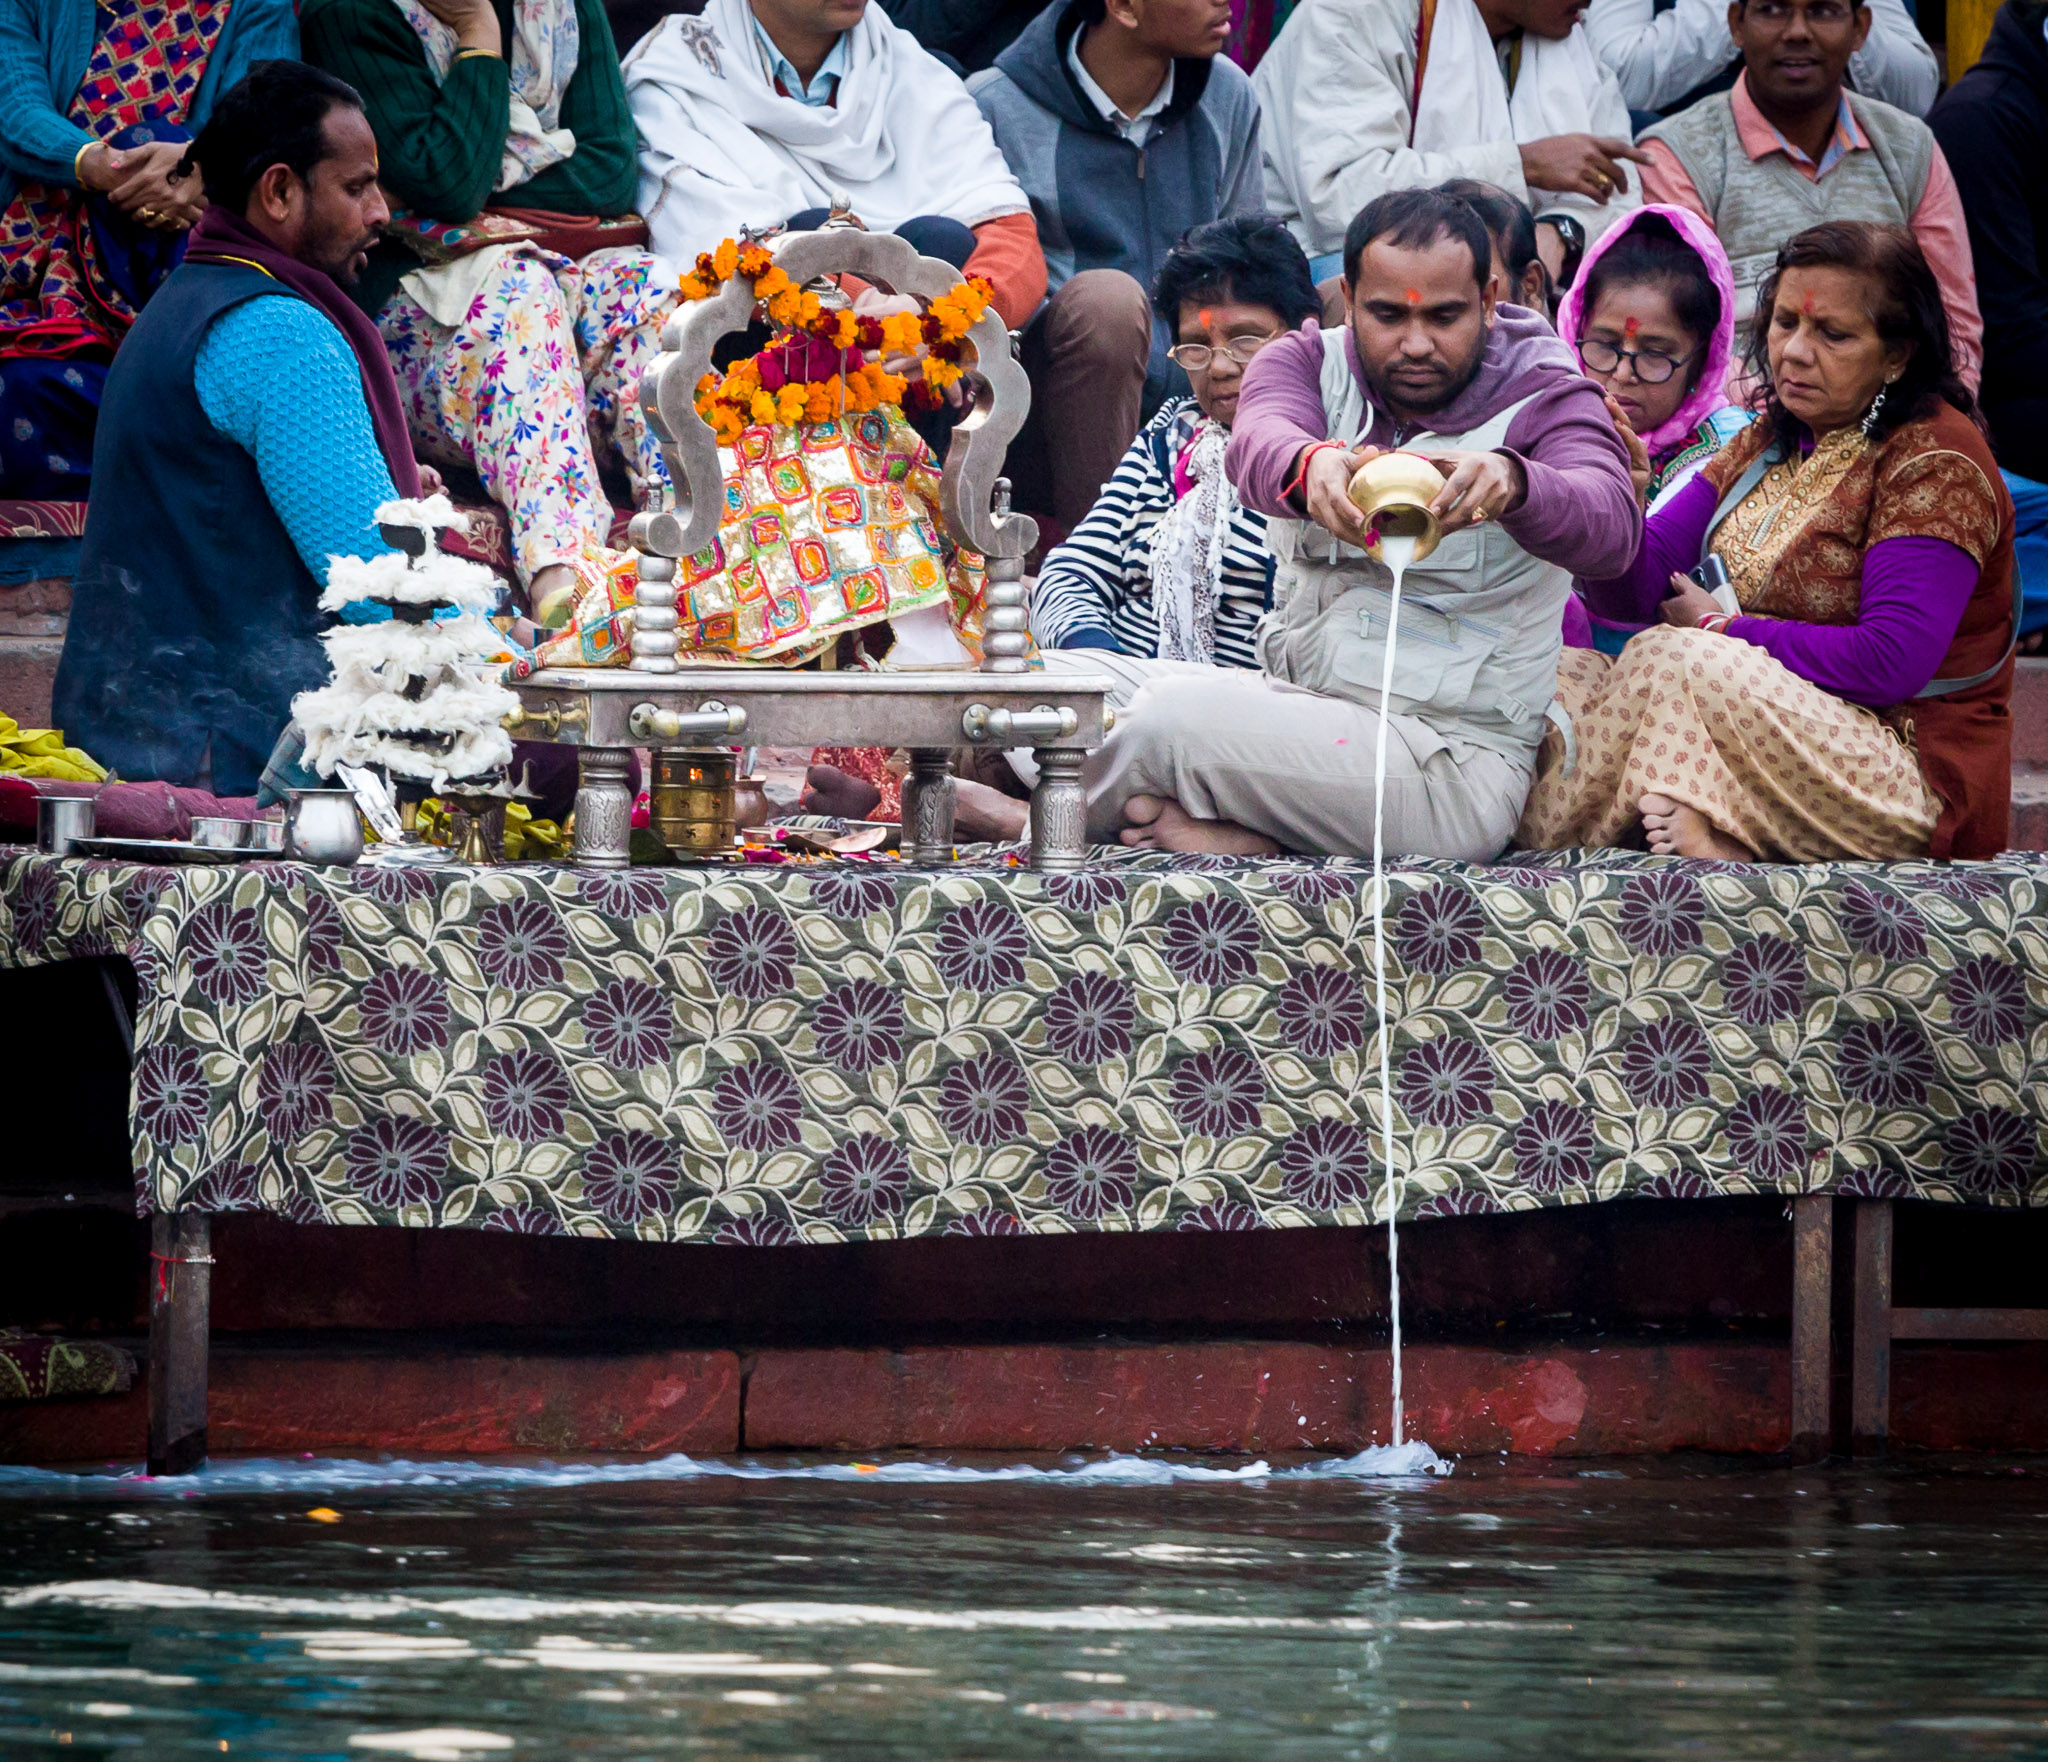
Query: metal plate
[168,850]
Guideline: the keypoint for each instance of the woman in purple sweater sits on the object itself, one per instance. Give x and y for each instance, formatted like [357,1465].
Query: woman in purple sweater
[1853,703]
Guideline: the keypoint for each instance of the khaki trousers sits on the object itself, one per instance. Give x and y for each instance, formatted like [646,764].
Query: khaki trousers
[1230,744]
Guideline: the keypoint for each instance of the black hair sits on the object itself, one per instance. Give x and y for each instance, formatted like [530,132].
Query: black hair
[1414,218]
[1091,13]
[1512,224]
[1905,306]
[1252,259]
[1652,253]
[276,114]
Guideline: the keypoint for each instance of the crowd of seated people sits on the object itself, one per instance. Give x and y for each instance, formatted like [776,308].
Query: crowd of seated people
[1622,273]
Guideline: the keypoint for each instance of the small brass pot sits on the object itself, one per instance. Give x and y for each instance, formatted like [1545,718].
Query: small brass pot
[691,803]
[1394,492]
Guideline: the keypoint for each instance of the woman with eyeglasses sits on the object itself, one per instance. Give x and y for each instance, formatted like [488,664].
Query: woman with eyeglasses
[1651,318]
[1168,563]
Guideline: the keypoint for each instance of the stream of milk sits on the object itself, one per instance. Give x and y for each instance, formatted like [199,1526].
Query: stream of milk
[1397,551]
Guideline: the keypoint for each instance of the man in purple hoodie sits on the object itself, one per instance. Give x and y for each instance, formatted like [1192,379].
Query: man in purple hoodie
[1537,491]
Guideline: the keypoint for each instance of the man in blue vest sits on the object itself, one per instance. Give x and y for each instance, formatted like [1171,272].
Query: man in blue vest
[250,428]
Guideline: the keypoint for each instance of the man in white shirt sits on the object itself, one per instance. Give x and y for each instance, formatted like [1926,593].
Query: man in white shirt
[1506,91]
[1664,53]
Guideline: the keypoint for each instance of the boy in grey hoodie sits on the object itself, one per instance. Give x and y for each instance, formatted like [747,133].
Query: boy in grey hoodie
[1125,128]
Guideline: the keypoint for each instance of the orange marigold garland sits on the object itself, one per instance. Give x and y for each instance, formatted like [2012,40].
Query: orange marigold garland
[804,374]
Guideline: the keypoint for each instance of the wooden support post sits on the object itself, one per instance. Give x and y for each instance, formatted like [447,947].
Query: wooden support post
[180,1286]
[1870,1403]
[1813,1266]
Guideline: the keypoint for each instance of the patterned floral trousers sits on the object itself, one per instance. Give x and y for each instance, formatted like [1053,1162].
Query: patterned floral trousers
[536,380]
[1794,772]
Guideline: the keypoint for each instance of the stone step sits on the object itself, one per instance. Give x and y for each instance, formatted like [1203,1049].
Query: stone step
[2030,715]
[2029,806]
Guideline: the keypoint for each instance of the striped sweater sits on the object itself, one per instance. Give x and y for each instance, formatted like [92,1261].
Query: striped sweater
[1095,591]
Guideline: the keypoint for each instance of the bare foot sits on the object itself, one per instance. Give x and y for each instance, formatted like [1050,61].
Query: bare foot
[985,815]
[829,790]
[1171,827]
[1140,814]
[1678,830]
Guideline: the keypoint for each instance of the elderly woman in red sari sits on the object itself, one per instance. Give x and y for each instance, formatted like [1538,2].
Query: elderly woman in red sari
[97,104]
[1848,694]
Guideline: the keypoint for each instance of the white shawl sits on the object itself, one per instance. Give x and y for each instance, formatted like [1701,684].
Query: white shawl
[1188,547]
[1561,88]
[542,62]
[721,149]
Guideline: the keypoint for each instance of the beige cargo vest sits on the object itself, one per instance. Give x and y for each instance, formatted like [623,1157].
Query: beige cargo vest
[1475,657]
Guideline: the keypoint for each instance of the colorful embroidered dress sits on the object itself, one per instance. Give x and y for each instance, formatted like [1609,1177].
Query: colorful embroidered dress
[73,272]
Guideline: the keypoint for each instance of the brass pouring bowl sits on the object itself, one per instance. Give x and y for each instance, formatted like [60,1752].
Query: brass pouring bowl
[1393,492]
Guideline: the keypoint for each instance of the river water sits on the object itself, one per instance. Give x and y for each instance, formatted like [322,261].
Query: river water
[1638,1610]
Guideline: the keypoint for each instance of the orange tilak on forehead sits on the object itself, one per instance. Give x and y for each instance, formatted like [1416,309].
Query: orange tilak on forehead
[1806,305]
[1629,328]
[1414,297]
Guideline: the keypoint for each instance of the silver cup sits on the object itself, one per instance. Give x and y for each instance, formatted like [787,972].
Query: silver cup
[264,835]
[61,821]
[218,833]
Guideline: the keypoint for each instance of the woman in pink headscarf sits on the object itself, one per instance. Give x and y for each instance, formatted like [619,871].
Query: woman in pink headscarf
[1651,317]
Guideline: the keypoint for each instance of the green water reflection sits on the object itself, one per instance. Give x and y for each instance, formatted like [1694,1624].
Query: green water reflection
[1641,1611]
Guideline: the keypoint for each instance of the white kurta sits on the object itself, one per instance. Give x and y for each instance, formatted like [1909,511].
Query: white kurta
[1336,88]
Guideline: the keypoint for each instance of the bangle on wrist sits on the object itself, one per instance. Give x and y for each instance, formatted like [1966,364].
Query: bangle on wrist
[78,162]
[1299,481]
[468,54]
[1716,623]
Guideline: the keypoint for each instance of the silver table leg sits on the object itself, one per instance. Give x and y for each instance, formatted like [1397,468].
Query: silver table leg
[928,797]
[604,807]
[1059,809]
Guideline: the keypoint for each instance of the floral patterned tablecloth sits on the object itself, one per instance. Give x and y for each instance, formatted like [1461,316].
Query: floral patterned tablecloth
[829,1052]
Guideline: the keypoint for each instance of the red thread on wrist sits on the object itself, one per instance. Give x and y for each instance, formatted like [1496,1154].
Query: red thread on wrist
[1300,479]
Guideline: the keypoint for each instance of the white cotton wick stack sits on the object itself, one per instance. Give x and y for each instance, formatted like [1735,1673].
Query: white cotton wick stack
[1397,551]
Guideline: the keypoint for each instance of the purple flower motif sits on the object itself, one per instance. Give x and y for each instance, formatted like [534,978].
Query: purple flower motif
[627,1023]
[757,1106]
[170,1094]
[1437,930]
[1519,875]
[1206,862]
[1767,1135]
[1991,1151]
[1554,1147]
[850,892]
[1883,924]
[1888,1064]
[1213,940]
[1445,1082]
[392,884]
[323,934]
[303,1207]
[1090,1017]
[764,1230]
[1322,1009]
[1220,1215]
[1987,1000]
[1083,890]
[630,1175]
[865,1178]
[294,1090]
[525,1220]
[1764,979]
[1661,912]
[859,1026]
[619,893]
[525,1095]
[1677,1184]
[1965,884]
[227,953]
[1311,884]
[405,1010]
[1874,1184]
[752,953]
[522,944]
[1459,1202]
[396,1162]
[1218,1092]
[982,1100]
[1327,1164]
[982,946]
[1091,1173]
[35,909]
[1547,995]
[1665,1062]
[988,1220]
[225,1187]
